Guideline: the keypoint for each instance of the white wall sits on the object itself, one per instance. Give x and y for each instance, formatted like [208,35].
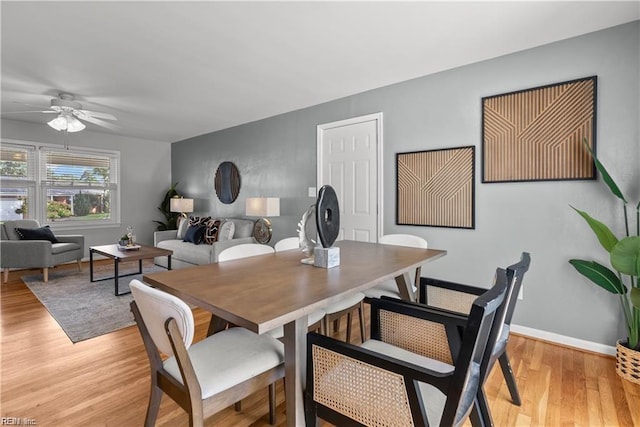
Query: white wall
[277,157]
[145,176]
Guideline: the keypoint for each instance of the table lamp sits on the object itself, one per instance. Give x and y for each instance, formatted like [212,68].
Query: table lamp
[182,205]
[262,207]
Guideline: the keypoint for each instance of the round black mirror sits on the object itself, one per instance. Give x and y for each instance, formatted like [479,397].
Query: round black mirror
[227,182]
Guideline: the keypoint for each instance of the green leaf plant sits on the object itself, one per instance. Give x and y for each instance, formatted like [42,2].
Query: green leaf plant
[171,218]
[624,256]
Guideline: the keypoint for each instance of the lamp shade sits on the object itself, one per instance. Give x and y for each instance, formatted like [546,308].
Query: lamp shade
[263,206]
[180,204]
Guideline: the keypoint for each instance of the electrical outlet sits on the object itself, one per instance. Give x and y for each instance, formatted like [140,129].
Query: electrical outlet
[312,192]
[521,293]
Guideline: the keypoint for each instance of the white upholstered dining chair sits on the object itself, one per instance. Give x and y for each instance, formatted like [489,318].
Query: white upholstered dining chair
[315,318]
[389,288]
[287,243]
[243,251]
[209,375]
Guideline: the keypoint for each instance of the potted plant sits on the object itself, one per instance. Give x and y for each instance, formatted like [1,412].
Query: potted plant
[624,256]
[165,208]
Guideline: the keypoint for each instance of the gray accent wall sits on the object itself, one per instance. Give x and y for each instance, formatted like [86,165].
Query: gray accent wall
[145,176]
[277,158]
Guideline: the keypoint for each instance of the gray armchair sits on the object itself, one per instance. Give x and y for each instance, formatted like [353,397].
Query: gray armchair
[17,253]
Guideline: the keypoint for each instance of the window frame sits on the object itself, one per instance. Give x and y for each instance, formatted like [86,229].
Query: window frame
[37,197]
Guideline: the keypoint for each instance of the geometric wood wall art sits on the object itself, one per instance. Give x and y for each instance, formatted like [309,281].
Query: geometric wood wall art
[537,134]
[436,188]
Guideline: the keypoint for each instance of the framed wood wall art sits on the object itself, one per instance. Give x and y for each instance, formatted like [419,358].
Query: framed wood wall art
[436,188]
[537,134]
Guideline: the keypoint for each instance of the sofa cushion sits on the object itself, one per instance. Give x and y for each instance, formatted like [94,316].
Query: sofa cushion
[182,228]
[243,227]
[59,248]
[211,231]
[188,252]
[226,231]
[195,234]
[198,220]
[42,233]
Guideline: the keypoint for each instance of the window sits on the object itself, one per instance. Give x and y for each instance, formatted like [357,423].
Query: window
[18,179]
[68,188]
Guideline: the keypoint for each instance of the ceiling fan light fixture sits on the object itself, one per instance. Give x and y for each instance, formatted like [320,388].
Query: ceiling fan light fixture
[74,125]
[59,123]
[68,123]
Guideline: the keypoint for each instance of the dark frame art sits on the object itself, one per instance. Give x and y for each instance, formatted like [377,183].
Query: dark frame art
[538,134]
[436,188]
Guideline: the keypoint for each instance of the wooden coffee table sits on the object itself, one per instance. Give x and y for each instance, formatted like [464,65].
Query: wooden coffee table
[139,253]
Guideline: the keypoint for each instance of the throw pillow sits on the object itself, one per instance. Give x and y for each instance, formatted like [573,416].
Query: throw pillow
[211,232]
[42,233]
[199,220]
[226,231]
[194,234]
[182,228]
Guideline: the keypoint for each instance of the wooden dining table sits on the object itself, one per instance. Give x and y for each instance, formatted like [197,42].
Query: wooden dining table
[263,292]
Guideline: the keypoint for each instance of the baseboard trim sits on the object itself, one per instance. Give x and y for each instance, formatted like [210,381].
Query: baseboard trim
[564,340]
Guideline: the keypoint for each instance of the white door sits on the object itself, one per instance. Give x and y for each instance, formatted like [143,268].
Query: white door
[349,159]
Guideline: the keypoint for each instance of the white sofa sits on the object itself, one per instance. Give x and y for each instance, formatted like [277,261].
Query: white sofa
[187,254]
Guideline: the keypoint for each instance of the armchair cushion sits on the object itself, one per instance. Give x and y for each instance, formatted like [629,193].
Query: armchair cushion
[42,233]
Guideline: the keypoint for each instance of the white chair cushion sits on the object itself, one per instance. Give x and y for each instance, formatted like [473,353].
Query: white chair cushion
[388,288]
[434,400]
[228,358]
[345,303]
[312,318]
[407,356]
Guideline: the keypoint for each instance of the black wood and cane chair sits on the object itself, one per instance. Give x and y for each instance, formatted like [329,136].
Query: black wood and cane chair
[392,379]
[209,375]
[458,298]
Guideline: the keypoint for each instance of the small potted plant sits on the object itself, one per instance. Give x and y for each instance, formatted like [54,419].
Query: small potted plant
[624,256]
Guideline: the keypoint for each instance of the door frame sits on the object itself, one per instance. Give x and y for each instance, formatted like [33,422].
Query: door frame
[377,117]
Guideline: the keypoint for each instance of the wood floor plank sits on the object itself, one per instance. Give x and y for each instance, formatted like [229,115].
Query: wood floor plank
[105,381]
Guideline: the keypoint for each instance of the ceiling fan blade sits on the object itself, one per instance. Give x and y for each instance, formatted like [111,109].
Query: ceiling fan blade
[99,122]
[19,112]
[87,113]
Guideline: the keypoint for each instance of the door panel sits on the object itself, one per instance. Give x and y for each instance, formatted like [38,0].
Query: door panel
[348,161]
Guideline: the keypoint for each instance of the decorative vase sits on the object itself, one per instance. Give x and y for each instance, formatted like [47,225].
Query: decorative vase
[627,362]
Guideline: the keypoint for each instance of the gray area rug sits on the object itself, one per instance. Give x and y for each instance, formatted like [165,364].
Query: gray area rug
[87,309]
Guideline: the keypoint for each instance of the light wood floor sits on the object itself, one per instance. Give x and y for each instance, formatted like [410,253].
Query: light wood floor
[105,381]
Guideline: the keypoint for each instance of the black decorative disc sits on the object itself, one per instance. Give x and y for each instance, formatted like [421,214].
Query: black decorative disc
[327,216]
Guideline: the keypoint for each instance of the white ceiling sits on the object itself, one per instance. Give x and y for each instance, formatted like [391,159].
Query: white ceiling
[173,70]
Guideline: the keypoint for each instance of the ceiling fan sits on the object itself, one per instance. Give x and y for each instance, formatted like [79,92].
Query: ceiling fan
[70,113]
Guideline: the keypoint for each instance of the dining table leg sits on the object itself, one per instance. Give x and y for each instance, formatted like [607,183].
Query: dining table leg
[295,359]
[405,287]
